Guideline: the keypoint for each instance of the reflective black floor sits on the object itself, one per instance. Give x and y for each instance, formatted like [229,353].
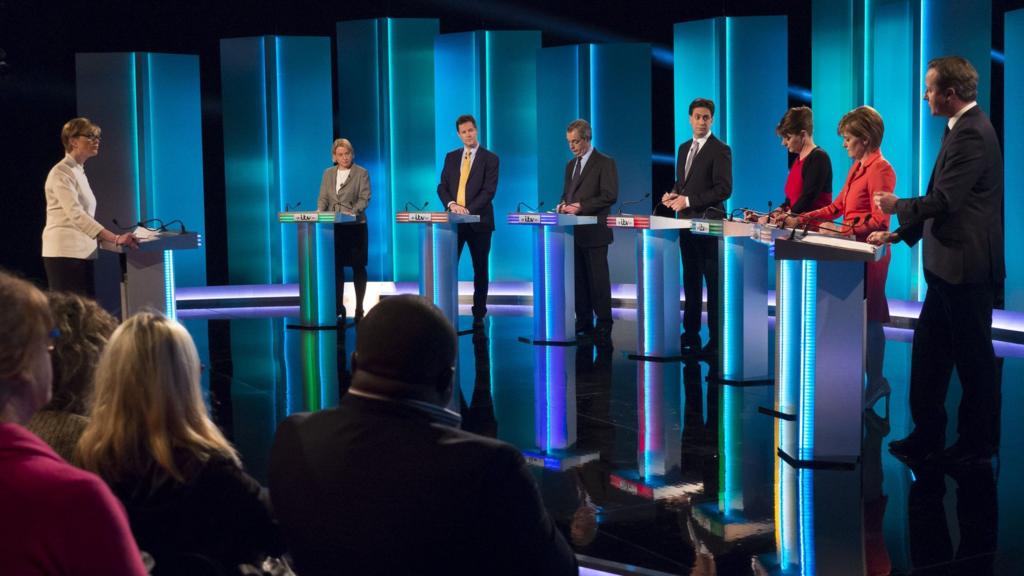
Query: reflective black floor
[648,465]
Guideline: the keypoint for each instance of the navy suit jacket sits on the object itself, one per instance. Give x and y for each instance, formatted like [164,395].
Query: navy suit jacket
[596,190]
[709,182]
[960,217]
[480,188]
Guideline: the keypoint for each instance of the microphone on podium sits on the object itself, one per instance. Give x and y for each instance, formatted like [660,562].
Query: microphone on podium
[521,205]
[289,208]
[415,208]
[631,202]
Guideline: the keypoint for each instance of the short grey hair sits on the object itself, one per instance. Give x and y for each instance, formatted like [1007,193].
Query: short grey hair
[582,129]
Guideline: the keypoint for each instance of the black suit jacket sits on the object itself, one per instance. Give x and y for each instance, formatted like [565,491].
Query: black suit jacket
[377,487]
[480,188]
[596,190]
[709,183]
[960,217]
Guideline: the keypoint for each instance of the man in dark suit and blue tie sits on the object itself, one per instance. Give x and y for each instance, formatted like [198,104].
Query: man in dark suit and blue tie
[703,184]
[960,220]
[469,181]
[591,187]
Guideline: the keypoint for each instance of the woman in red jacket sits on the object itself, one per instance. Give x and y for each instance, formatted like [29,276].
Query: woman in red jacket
[862,130]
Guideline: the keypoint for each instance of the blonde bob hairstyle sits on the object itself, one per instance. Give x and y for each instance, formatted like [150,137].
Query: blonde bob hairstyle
[146,405]
[342,143]
[77,127]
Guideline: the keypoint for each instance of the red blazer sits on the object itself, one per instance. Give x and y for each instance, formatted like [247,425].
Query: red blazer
[871,174]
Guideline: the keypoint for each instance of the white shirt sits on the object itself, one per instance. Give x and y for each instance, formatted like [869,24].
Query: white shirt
[952,121]
[583,159]
[71,227]
[342,178]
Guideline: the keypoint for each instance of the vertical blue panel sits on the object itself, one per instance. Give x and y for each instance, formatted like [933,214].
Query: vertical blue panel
[510,130]
[458,90]
[756,56]
[699,61]
[895,91]
[565,99]
[951,27]
[837,74]
[620,109]
[1013,152]
[386,107]
[247,170]
[277,135]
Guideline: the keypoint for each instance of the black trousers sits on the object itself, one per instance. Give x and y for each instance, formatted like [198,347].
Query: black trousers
[350,250]
[593,288]
[76,275]
[480,251]
[700,266]
[954,330]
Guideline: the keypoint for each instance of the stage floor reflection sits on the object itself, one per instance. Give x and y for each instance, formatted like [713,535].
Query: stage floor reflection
[650,465]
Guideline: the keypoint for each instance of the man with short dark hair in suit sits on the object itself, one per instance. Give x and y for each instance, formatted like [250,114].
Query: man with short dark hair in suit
[703,183]
[386,483]
[469,181]
[960,219]
[591,187]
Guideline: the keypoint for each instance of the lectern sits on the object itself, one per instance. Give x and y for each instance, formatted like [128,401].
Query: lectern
[554,277]
[147,273]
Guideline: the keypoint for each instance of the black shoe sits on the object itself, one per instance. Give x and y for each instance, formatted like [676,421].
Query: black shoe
[916,448]
[962,455]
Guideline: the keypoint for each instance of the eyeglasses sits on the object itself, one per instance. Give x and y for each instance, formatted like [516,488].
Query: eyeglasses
[91,137]
[52,336]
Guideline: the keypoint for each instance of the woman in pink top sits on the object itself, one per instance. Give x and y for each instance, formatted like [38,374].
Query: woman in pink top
[56,518]
[862,129]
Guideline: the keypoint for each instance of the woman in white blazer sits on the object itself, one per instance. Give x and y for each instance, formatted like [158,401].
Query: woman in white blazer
[345,188]
[70,237]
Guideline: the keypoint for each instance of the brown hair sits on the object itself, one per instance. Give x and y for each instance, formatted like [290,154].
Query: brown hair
[24,320]
[957,73]
[796,120]
[77,127]
[463,119]
[863,122]
[84,328]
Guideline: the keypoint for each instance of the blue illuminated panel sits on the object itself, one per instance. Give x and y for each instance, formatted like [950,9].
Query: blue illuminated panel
[390,119]
[1013,151]
[493,75]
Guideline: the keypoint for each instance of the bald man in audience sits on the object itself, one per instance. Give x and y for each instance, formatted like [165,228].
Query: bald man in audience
[386,483]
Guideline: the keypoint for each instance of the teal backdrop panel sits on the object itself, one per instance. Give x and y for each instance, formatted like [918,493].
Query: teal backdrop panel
[278,119]
[894,82]
[756,82]
[620,110]
[698,72]
[493,76]
[563,74]
[609,85]
[150,164]
[386,107]
[1013,153]
[837,75]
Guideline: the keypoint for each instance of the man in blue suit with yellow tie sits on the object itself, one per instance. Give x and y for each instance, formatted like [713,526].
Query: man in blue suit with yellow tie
[469,181]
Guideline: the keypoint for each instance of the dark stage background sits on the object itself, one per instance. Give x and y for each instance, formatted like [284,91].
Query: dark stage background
[38,42]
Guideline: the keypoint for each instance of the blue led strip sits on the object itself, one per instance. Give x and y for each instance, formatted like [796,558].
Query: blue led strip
[170,310]
[548,399]
[730,412]
[650,316]
[730,315]
[550,283]
[808,311]
[923,175]
[649,380]
[807,556]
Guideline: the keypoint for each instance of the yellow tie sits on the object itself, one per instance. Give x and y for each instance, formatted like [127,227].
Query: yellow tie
[460,199]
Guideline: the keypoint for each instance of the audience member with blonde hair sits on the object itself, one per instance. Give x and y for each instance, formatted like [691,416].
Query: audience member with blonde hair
[150,437]
[84,328]
[56,519]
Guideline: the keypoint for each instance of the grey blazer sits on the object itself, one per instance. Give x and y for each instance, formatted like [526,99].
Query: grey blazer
[353,197]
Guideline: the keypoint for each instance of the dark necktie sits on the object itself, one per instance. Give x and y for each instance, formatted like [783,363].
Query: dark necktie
[576,170]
